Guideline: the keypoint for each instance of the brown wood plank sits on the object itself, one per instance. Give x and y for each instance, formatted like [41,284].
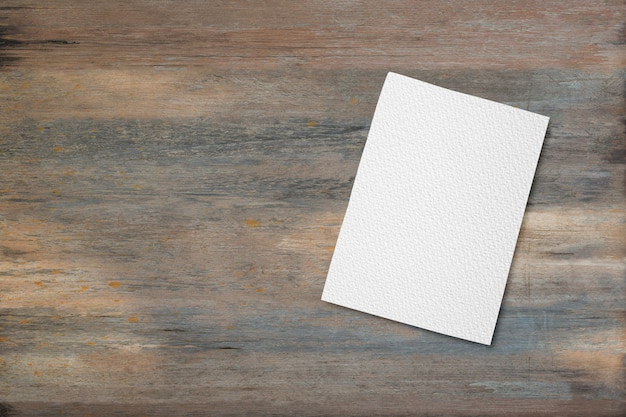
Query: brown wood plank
[173,176]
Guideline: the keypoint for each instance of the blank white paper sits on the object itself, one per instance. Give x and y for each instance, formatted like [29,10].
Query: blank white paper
[435,210]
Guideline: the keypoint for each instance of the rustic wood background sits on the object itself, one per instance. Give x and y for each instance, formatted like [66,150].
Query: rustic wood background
[173,176]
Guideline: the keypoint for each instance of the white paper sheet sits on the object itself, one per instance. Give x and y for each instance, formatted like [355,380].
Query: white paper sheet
[436,208]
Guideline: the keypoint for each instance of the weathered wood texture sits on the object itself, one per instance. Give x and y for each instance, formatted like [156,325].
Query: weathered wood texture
[173,176]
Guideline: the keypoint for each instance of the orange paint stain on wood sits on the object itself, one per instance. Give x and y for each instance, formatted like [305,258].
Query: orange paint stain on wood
[252,223]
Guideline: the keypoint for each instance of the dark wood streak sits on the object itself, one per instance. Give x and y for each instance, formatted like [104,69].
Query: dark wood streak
[173,178]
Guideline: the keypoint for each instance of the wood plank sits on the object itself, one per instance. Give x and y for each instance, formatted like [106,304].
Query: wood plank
[173,177]
[320,34]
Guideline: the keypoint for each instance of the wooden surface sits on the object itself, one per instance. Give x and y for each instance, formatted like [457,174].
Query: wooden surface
[174,176]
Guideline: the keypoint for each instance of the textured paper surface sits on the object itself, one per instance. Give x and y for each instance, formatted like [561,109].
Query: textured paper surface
[435,210]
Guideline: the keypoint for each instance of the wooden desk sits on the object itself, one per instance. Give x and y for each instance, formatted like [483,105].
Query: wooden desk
[174,176]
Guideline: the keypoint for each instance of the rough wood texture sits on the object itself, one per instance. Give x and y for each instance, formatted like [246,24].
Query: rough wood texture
[173,176]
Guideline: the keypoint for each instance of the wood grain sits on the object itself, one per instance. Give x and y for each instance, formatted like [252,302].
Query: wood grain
[173,176]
